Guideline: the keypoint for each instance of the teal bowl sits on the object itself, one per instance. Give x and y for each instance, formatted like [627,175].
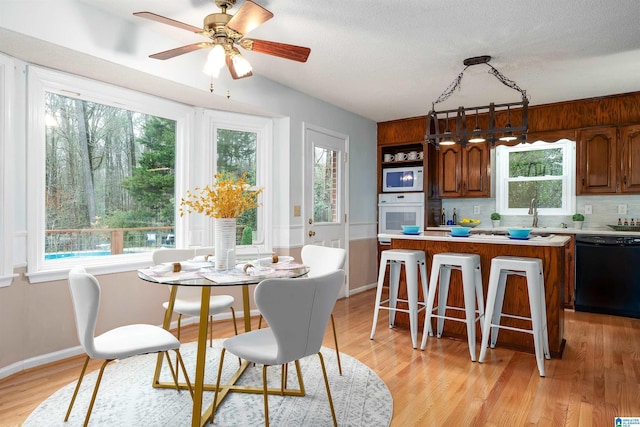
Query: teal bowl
[410,229]
[460,231]
[519,233]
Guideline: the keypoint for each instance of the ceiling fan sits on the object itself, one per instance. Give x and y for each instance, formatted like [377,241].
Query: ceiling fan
[226,32]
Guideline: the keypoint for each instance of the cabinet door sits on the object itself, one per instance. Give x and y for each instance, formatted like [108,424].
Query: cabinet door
[596,161]
[475,164]
[450,171]
[630,152]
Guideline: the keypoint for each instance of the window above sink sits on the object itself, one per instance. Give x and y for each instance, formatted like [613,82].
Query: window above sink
[542,171]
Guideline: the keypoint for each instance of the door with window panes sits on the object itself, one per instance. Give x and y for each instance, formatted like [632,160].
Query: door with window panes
[325,215]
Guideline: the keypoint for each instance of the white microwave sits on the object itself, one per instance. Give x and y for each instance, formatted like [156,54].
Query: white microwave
[402,179]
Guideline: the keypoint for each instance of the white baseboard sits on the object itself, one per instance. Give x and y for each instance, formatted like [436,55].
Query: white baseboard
[55,356]
[362,288]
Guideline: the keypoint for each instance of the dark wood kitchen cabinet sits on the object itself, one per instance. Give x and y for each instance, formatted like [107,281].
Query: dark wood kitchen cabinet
[465,172]
[608,160]
[629,149]
[596,165]
[407,135]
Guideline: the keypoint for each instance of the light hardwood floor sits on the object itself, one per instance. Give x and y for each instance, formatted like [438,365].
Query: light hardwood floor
[597,379]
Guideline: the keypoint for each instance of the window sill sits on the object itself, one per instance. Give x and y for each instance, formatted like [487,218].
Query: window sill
[59,270]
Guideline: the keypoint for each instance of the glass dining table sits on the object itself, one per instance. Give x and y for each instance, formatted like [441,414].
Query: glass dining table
[206,278]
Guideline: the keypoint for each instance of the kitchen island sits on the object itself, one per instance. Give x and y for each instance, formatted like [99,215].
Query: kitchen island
[551,249]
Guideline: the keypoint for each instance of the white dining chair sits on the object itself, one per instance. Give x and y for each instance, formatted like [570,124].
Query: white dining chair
[297,311]
[187,302]
[119,343]
[321,260]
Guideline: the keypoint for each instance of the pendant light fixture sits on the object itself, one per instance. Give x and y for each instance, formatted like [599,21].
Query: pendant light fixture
[491,133]
[477,132]
[448,137]
[508,135]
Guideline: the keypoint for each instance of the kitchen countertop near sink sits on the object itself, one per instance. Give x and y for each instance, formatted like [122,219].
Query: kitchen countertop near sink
[600,231]
[479,236]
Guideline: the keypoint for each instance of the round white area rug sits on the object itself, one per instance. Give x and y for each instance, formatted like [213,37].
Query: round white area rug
[126,397]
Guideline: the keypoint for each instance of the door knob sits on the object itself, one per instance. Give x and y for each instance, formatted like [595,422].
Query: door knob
[312,233]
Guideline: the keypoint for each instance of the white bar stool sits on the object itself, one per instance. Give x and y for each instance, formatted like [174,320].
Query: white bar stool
[469,265]
[412,260]
[531,268]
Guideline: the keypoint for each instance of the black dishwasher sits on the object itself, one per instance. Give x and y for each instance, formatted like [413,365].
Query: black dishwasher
[608,275]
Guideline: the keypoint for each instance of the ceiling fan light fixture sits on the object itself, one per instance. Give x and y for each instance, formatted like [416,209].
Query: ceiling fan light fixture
[215,61]
[240,64]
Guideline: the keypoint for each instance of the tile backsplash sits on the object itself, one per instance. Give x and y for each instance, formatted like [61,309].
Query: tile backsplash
[604,211]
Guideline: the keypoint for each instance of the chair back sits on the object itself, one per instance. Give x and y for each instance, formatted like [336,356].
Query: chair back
[176,255]
[85,296]
[206,250]
[171,255]
[322,259]
[298,311]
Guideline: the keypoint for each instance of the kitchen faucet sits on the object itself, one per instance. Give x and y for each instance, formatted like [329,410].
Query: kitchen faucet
[533,210]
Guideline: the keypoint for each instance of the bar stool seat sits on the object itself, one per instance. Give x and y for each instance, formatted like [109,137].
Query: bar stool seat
[469,265]
[413,260]
[531,268]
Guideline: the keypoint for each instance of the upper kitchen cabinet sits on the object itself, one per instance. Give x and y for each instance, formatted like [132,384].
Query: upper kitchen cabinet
[629,148]
[608,160]
[465,172]
[402,131]
[596,165]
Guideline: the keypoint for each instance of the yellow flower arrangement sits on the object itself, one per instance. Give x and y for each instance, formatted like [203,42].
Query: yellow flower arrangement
[225,198]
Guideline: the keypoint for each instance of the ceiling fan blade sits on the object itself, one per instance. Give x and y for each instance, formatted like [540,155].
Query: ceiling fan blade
[249,17]
[164,20]
[287,51]
[171,53]
[232,69]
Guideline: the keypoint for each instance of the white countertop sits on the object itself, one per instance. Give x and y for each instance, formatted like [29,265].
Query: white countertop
[601,231]
[445,236]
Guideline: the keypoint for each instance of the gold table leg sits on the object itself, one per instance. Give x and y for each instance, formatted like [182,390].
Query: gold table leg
[199,418]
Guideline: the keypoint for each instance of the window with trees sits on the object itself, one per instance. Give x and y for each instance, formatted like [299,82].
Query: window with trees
[102,172]
[541,171]
[109,179]
[237,155]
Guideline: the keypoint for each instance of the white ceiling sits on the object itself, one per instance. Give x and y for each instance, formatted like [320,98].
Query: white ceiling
[391,59]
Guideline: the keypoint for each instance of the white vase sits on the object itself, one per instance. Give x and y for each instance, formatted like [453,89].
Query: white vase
[577,224]
[225,240]
[496,223]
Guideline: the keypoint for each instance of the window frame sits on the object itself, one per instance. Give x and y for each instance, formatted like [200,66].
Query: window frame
[263,127]
[41,80]
[568,178]
[7,171]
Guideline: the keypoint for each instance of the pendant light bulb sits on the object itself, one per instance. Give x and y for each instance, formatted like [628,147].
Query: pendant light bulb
[508,135]
[448,139]
[477,137]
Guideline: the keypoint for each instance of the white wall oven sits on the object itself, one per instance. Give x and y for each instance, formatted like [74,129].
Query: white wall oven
[398,209]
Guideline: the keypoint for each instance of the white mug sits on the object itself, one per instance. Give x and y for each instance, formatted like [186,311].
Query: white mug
[413,155]
[421,155]
[400,156]
[388,157]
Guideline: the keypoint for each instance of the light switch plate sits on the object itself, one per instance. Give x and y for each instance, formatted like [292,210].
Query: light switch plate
[588,209]
[622,209]
[296,210]
[476,210]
